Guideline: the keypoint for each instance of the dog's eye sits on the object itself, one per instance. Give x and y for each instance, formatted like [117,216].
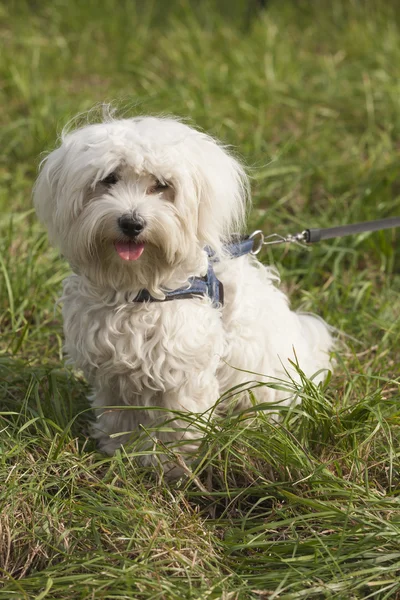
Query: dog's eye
[158,187]
[110,179]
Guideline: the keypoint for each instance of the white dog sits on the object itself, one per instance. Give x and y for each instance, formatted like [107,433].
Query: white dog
[141,208]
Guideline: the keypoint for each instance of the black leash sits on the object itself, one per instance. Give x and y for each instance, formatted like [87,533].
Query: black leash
[315,235]
[210,286]
[310,236]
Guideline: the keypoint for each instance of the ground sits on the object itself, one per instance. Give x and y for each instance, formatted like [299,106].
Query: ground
[308,94]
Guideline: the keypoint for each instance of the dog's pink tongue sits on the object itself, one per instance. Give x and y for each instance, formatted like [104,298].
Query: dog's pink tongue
[129,250]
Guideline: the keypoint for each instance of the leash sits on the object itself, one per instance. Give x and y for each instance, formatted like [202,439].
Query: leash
[210,286]
[310,236]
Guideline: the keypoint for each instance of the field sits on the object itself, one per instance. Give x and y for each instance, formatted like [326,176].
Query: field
[309,95]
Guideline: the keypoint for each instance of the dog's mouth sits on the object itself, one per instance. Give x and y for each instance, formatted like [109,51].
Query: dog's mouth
[129,250]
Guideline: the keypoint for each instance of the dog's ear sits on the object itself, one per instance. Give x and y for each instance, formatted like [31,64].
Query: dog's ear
[57,193]
[45,191]
[222,191]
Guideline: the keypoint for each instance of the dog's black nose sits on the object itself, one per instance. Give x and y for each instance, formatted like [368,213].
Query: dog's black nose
[131,225]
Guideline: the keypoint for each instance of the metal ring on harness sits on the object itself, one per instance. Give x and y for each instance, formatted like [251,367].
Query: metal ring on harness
[258,243]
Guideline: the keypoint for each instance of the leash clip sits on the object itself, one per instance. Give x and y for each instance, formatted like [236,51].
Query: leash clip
[260,240]
[300,239]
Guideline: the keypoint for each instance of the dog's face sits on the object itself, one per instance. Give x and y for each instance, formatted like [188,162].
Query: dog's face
[128,201]
[139,210]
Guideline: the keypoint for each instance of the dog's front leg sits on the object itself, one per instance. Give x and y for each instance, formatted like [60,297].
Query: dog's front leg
[156,422]
[117,421]
[181,428]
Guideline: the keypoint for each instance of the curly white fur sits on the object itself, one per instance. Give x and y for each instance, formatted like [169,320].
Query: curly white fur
[178,355]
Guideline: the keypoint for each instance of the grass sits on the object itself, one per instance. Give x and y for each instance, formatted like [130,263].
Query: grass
[310,508]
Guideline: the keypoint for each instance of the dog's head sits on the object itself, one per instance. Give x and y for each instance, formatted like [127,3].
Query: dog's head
[129,202]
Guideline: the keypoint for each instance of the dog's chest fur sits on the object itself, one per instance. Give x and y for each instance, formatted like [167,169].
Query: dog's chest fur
[140,353]
[155,345]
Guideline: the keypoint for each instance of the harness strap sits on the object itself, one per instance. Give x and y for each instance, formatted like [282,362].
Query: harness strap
[243,245]
[209,285]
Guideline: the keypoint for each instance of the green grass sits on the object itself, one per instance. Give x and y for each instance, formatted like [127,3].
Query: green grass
[309,94]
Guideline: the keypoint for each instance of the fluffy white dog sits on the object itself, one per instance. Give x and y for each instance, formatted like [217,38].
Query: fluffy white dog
[135,205]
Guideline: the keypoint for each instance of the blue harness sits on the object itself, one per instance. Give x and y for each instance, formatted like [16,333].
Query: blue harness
[209,285]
